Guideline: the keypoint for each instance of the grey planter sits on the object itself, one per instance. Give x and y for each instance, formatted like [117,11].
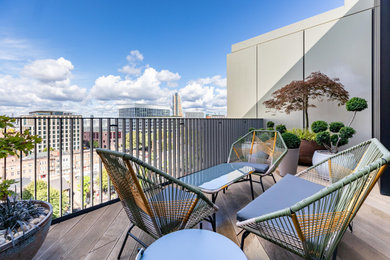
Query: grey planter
[27,246]
[289,164]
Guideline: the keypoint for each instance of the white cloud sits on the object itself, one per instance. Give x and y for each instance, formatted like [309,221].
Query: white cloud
[205,94]
[130,70]
[135,56]
[49,69]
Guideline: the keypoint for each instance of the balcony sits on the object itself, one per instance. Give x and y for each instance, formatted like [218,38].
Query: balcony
[90,223]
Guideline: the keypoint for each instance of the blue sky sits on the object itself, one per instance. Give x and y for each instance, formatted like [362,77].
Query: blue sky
[181,46]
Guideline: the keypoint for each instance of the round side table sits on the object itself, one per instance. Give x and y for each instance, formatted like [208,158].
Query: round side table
[192,244]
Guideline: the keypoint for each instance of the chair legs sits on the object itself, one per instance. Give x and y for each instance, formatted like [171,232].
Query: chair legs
[244,235]
[128,233]
[251,182]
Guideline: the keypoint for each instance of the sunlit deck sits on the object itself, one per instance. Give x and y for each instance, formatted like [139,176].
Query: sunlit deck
[99,234]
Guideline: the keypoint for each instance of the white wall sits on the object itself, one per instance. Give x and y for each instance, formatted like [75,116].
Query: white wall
[337,43]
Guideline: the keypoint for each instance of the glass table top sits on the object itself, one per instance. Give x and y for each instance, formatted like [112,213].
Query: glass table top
[216,178]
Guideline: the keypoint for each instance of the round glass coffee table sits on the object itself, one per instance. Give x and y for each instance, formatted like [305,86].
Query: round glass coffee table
[191,244]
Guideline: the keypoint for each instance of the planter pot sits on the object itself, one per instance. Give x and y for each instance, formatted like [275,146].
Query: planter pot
[289,163]
[349,161]
[307,149]
[26,246]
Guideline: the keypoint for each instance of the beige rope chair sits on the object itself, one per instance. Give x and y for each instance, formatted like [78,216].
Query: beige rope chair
[154,201]
[309,213]
[260,149]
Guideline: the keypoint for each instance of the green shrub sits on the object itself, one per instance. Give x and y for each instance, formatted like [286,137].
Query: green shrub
[347,132]
[323,138]
[251,129]
[281,129]
[356,104]
[335,127]
[270,124]
[303,134]
[292,141]
[319,126]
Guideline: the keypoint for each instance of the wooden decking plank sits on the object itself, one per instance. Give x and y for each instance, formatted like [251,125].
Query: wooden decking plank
[56,232]
[73,236]
[92,236]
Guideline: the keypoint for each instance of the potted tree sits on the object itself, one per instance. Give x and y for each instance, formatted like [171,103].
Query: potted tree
[289,164]
[23,224]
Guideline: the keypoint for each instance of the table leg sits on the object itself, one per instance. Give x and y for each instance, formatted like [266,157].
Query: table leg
[250,180]
[214,217]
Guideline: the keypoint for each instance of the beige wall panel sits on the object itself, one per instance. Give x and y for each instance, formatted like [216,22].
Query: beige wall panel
[279,62]
[241,83]
[343,49]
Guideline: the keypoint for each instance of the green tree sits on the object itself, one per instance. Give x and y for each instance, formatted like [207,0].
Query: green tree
[28,193]
[86,189]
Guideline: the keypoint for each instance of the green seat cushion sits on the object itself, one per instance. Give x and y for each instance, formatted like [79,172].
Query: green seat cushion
[259,167]
[284,194]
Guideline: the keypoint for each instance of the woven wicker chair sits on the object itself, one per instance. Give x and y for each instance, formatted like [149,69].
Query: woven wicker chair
[308,214]
[260,149]
[154,201]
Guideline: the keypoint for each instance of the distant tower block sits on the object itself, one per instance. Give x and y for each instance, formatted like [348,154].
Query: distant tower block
[176,105]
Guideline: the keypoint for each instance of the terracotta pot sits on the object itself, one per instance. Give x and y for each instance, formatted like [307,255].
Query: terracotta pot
[307,150]
[27,246]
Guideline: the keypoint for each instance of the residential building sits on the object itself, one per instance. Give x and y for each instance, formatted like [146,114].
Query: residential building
[55,125]
[176,105]
[140,111]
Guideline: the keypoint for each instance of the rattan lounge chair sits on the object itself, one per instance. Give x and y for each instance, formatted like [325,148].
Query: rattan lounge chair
[308,213]
[154,201]
[260,149]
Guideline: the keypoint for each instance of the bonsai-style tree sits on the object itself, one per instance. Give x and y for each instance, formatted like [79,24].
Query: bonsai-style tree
[296,96]
[355,105]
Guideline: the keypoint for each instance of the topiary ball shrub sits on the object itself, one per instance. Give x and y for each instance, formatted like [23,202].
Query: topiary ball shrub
[281,129]
[319,126]
[292,141]
[356,104]
[335,127]
[323,138]
[347,132]
[270,124]
[251,129]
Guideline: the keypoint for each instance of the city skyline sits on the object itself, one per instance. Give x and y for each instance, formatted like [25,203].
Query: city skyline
[90,58]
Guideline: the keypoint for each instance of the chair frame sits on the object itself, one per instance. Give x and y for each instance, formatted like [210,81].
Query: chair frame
[301,231]
[131,179]
[274,162]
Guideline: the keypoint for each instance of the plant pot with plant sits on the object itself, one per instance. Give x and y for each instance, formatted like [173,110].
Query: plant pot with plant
[289,164]
[23,224]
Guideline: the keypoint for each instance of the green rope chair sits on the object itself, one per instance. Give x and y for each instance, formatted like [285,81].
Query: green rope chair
[260,149]
[313,226]
[154,201]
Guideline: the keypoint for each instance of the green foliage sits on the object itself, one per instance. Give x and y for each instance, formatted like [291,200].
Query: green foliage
[319,126]
[292,141]
[356,104]
[323,138]
[104,180]
[270,124]
[4,189]
[13,142]
[28,193]
[335,127]
[303,134]
[281,128]
[265,137]
[16,214]
[347,132]
[251,129]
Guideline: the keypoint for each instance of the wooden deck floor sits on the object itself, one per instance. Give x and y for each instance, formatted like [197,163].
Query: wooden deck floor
[99,234]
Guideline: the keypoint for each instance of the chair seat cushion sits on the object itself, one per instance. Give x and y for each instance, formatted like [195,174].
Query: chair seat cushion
[259,167]
[284,194]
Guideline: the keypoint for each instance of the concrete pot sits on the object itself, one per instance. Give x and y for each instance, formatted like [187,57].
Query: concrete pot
[27,246]
[289,163]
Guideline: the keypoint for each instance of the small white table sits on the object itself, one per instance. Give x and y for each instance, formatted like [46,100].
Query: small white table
[192,244]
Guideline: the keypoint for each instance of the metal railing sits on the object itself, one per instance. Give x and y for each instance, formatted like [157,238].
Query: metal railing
[65,170]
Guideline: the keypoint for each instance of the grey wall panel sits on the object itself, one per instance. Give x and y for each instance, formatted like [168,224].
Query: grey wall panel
[343,49]
[279,62]
[241,83]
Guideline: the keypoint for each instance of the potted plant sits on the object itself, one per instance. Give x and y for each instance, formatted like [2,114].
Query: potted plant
[23,224]
[289,164]
[308,145]
[334,135]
